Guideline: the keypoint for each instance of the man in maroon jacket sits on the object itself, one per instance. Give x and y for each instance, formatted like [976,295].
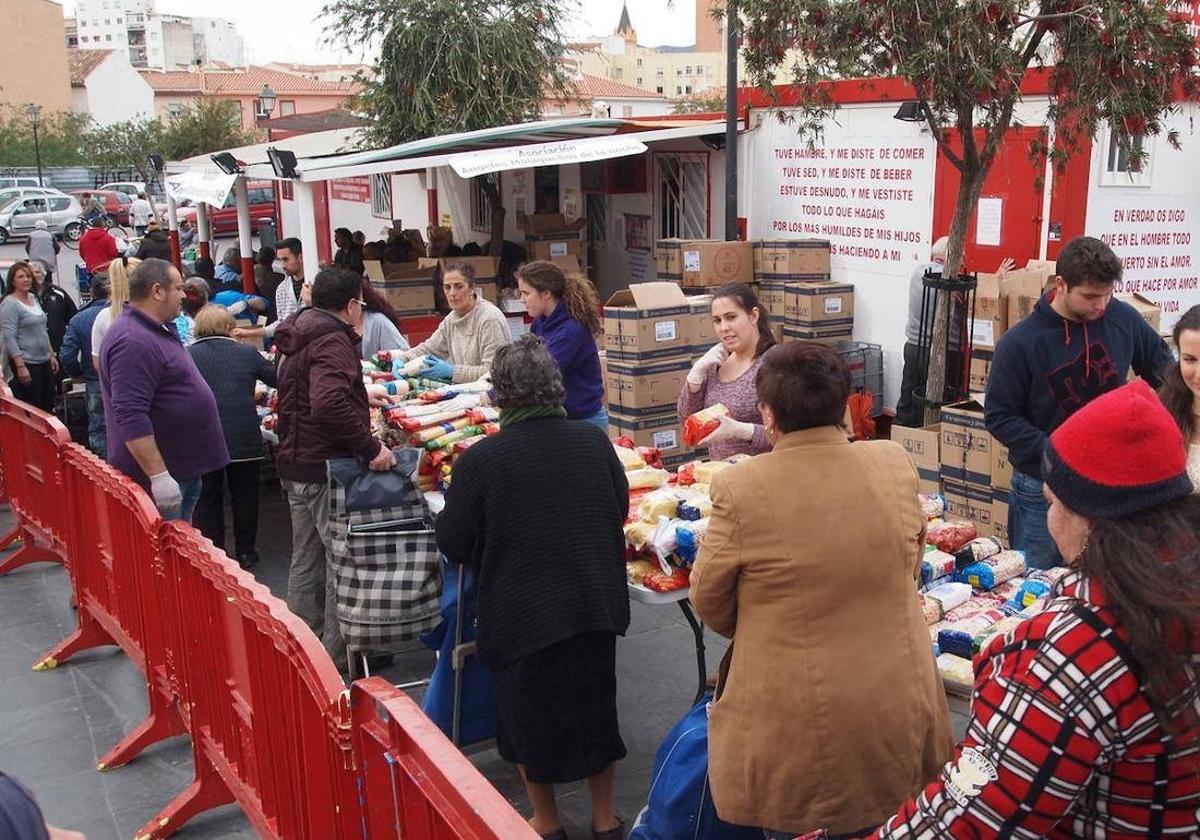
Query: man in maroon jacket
[323,412]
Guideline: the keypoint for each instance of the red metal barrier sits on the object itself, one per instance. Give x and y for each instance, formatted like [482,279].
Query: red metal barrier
[267,709]
[115,571]
[416,785]
[33,482]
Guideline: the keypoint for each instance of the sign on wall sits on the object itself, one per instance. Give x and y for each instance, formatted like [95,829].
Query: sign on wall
[351,189]
[869,194]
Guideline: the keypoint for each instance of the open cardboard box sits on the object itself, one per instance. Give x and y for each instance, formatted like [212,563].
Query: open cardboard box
[648,321]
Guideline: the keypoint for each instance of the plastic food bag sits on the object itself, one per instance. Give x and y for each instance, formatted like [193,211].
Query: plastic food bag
[950,595]
[995,570]
[660,582]
[637,534]
[931,609]
[635,570]
[662,502]
[705,470]
[951,536]
[972,608]
[703,423]
[1000,628]
[957,673]
[936,564]
[646,478]
[933,506]
[629,458]
[959,637]
[977,550]
[662,538]
[687,540]
[695,508]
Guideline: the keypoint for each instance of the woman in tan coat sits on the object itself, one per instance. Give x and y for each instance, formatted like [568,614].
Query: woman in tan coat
[829,712]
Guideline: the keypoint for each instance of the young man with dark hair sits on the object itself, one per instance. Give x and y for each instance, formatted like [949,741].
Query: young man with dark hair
[1077,344]
[323,412]
[291,293]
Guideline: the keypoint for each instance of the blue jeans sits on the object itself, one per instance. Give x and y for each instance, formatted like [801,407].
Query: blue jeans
[599,420]
[97,433]
[1027,510]
[190,489]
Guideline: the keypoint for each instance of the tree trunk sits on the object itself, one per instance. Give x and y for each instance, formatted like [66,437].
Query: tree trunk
[969,189]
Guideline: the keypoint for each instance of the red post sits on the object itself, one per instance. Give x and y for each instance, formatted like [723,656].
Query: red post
[205,249]
[176,257]
[248,284]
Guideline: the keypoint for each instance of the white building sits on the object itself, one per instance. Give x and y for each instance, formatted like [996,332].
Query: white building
[167,42]
[105,86]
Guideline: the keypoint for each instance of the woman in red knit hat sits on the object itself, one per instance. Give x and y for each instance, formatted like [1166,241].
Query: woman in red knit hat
[1085,717]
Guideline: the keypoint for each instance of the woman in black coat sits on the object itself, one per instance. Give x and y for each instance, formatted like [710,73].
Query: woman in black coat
[539,510]
[231,369]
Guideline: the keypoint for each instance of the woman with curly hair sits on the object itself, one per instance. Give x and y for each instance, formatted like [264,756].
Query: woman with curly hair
[1180,391]
[566,316]
[547,631]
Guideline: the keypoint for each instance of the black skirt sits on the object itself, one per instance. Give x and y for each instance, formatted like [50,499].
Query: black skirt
[556,710]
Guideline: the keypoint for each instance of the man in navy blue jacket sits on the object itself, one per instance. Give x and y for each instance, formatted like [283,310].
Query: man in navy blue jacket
[1077,344]
[75,359]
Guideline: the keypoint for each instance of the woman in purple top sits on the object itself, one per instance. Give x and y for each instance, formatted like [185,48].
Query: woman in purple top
[726,374]
[565,312]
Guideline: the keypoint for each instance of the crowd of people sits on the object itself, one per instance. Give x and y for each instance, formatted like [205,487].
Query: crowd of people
[828,712]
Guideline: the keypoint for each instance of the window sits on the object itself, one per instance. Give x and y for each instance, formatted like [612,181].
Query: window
[545,189]
[58,205]
[108,37]
[83,39]
[119,22]
[174,110]
[285,190]
[688,71]
[659,73]
[626,110]
[618,73]
[1126,167]
[687,89]
[381,195]
[481,205]
[124,198]
[260,195]
[108,22]
[679,90]
[658,89]
[681,196]
[678,71]
[639,62]
[639,81]
[287,107]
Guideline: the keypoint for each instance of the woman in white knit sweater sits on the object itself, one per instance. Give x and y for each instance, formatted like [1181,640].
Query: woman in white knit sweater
[462,347]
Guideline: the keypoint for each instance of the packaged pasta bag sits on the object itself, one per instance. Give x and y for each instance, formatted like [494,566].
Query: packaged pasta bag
[958,637]
[995,570]
[958,674]
[687,540]
[629,458]
[706,470]
[950,536]
[637,534]
[935,583]
[646,477]
[661,502]
[936,564]
[978,549]
[933,506]
[703,423]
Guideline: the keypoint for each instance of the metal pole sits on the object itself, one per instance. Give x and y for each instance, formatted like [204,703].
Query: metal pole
[306,205]
[731,121]
[37,153]
[203,230]
[245,243]
[173,231]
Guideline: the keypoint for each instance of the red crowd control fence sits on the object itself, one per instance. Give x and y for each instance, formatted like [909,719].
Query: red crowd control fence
[116,571]
[32,479]
[226,662]
[415,784]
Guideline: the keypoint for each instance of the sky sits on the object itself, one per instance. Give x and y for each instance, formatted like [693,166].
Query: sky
[296,34]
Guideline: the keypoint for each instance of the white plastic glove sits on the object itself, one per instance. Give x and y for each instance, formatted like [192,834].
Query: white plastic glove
[713,358]
[729,429]
[164,489]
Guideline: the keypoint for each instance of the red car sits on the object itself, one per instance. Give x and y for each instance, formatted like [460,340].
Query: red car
[223,219]
[116,204]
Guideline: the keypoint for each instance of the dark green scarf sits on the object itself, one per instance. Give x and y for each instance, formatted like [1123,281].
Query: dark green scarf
[511,416]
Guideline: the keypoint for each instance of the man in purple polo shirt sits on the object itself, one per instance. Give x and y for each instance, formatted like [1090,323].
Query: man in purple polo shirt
[163,427]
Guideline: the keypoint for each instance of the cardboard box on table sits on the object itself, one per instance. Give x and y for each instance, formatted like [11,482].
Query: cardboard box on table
[704,263]
[408,287]
[550,235]
[820,304]
[789,260]
[662,431]
[972,503]
[924,447]
[647,322]
[976,473]
[824,334]
[1024,287]
[981,367]
[638,389]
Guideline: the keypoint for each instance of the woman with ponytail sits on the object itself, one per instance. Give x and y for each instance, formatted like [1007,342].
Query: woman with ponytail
[566,316]
[726,374]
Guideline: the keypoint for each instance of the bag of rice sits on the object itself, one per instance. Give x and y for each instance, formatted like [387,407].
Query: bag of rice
[1005,625]
[973,607]
[647,477]
[629,458]
[932,505]
[705,470]
[935,583]
[995,570]
[936,564]
[931,610]
[950,595]
[662,502]
[951,536]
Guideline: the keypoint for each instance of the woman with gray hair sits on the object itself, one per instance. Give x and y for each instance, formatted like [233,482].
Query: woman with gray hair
[552,595]
[229,271]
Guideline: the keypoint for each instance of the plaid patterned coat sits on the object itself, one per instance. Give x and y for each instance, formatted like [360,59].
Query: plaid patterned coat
[1062,742]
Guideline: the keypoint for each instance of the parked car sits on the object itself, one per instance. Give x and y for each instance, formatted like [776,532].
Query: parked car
[7,194]
[60,213]
[223,219]
[116,204]
[130,188]
[18,182]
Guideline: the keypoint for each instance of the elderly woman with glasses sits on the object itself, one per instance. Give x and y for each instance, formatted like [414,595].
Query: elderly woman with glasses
[552,595]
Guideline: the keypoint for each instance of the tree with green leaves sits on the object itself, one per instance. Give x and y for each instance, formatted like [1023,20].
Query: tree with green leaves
[1122,63]
[207,125]
[60,137]
[125,145]
[447,66]
[704,102]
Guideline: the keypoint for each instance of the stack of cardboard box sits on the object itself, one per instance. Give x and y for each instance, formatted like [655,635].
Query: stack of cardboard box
[409,287]
[704,263]
[795,289]
[652,333]
[549,236]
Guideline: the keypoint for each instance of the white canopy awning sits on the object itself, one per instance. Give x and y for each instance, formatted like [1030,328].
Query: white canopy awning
[197,186]
[470,164]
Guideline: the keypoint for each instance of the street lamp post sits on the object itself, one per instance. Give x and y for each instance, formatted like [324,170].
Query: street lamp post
[265,106]
[33,113]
